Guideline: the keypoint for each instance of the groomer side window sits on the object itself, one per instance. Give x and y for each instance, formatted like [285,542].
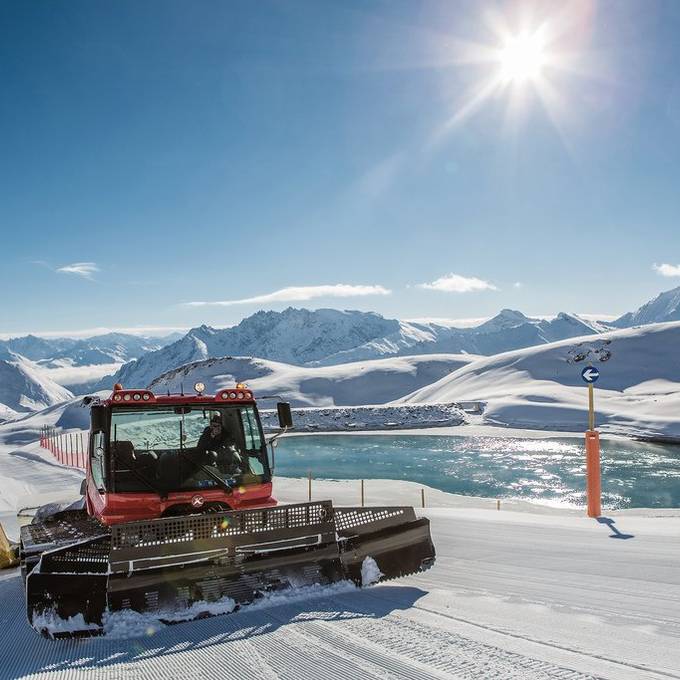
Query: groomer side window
[97,461]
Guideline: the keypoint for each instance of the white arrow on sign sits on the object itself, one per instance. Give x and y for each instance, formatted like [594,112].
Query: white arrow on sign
[591,374]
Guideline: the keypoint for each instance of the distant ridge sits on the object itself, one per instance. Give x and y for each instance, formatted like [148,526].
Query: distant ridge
[327,337]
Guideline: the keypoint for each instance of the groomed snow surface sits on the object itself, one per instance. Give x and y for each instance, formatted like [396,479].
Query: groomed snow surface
[525,592]
[513,595]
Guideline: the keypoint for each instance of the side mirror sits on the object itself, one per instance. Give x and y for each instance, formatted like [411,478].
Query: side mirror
[98,418]
[83,487]
[285,416]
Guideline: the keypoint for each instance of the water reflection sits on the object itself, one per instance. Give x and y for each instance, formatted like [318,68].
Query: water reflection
[543,470]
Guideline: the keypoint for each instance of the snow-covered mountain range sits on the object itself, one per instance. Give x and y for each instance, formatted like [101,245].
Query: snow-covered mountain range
[328,337]
[307,339]
[100,349]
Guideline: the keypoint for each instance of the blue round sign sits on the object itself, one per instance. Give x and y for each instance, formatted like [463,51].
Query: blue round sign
[590,374]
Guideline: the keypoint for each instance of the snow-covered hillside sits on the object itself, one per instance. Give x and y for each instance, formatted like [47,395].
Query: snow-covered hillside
[328,337]
[24,389]
[638,392]
[364,382]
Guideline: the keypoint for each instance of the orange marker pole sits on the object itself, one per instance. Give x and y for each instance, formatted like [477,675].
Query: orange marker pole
[593,481]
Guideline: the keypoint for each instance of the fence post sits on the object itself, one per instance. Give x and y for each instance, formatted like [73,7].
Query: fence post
[422,497]
[498,504]
[362,493]
[593,472]
[82,450]
[309,485]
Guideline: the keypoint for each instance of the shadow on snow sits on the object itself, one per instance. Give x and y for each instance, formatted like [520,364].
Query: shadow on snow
[609,522]
[24,652]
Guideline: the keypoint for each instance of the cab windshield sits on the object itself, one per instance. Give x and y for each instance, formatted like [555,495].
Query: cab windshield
[185,447]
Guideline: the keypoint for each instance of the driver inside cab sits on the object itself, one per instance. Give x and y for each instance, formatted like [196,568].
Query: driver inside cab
[216,446]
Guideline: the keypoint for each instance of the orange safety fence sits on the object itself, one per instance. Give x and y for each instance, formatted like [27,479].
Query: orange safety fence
[67,447]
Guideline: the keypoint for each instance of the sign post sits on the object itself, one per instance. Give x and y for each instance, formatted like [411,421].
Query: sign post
[593,472]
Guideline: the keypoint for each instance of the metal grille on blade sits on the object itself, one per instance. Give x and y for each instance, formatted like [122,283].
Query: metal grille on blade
[211,526]
[347,518]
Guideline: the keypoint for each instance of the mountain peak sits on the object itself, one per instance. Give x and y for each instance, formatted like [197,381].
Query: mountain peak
[664,307]
[506,318]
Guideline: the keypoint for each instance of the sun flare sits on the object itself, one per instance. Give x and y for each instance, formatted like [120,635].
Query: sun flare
[522,57]
[529,61]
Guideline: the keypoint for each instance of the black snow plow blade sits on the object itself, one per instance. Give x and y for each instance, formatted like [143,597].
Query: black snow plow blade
[78,571]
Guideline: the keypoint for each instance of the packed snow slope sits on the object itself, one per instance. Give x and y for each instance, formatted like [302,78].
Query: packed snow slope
[515,595]
[638,392]
[328,337]
[363,382]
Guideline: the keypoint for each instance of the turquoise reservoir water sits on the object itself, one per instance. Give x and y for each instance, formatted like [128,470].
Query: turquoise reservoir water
[544,470]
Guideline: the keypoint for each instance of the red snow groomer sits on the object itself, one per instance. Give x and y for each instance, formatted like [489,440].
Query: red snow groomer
[178,511]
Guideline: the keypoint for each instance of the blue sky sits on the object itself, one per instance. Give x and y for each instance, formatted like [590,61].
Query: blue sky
[162,153]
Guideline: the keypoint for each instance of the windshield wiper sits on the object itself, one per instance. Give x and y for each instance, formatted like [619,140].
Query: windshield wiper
[211,473]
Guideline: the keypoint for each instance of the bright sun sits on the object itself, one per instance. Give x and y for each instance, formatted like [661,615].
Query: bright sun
[531,60]
[522,58]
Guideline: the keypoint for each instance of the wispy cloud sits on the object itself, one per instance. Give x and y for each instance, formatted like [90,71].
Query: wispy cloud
[298,294]
[84,269]
[667,269]
[455,283]
[517,284]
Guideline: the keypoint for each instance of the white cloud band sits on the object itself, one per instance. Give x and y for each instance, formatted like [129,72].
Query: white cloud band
[298,294]
[667,269]
[454,283]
